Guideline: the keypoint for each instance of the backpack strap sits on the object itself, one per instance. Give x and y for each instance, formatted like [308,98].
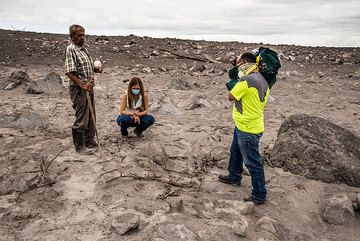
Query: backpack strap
[254,67]
[258,60]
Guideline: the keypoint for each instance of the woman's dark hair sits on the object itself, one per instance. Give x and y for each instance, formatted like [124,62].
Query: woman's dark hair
[135,81]
[248,57]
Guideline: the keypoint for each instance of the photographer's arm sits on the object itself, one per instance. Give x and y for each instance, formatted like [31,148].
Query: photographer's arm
[231,97]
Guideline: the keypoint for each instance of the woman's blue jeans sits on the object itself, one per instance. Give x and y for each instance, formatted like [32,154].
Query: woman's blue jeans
[245,150]
[125,121]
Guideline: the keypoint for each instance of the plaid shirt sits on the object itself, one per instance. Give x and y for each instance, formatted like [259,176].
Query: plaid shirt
[77,59]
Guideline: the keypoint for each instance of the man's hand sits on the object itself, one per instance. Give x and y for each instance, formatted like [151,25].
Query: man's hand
[98,70]
[87,86]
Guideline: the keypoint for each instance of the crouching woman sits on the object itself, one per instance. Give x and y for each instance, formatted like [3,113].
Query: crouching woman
[134,109]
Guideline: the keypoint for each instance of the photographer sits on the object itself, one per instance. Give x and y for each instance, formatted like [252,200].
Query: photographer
[249,91]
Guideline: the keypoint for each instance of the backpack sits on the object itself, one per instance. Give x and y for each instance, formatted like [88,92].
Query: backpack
[269,64]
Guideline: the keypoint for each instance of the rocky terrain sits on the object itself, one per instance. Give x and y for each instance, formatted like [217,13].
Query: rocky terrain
[164,186]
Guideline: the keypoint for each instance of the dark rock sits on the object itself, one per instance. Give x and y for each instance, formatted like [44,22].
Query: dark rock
[317,149]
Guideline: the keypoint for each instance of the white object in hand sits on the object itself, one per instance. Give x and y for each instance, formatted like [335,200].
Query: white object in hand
[97,64]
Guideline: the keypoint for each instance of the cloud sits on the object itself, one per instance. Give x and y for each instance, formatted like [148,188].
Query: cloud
[278,21]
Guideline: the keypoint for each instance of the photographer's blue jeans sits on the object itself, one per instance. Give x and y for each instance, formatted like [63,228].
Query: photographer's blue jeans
[245,150]
[125,121]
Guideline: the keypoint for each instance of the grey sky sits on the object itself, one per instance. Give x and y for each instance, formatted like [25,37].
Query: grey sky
[307,22]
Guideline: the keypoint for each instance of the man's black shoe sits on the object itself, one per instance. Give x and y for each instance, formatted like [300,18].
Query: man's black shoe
[256,202]
[225,179]
[91,144]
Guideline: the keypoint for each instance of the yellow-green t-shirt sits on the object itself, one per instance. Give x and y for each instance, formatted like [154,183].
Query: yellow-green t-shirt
[251,94]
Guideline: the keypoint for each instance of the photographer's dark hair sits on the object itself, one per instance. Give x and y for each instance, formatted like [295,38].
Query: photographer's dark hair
[248,57]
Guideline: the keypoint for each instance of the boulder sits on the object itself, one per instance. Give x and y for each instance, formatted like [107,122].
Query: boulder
[317,149]
[33,88]
[51,82]
[23,120]
[156,152]
[339,210]
[165,107]
[16,78]
[125,222]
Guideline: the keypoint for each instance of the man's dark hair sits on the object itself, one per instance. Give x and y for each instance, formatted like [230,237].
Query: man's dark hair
[248,57]
[73,28]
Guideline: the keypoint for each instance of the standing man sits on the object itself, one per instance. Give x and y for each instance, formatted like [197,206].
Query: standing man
[80,70]
[249,95]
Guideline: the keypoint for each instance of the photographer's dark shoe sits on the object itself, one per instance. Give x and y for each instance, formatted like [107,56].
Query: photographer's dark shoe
[225,179]
[256,202]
